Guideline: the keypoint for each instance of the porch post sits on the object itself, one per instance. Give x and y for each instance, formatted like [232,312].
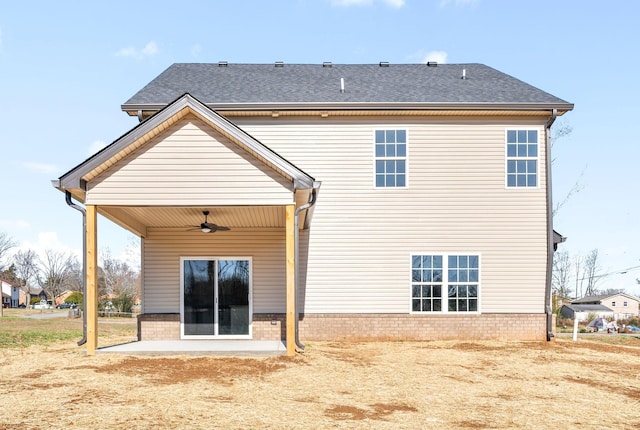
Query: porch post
[291,284]
[92,279]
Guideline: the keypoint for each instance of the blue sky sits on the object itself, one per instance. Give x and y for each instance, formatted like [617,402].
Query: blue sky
[66,67]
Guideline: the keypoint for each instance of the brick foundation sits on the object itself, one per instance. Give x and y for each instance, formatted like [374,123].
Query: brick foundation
[369,327]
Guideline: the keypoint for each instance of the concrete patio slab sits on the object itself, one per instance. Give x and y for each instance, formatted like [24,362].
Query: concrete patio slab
[198,347]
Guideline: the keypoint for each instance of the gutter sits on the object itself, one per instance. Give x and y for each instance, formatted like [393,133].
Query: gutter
[306,206]
[550,241]
[84,265]
[143,110]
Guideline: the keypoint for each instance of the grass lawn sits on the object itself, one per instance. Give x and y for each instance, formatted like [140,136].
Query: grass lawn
[48,382]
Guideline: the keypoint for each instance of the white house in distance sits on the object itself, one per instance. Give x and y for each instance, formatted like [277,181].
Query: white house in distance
[10,294]
[619,305]
[331,201]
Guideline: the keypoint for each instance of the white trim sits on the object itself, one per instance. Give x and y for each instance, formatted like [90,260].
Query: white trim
[215,259]
[406,157]
[538,158]
[445,282]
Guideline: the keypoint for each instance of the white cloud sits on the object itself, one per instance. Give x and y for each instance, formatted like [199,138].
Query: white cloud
[47,240]
[195,50]
[348,3]
[438,56]
[40,167]
[96,146]
[395,3]
[458,3]
[149,50]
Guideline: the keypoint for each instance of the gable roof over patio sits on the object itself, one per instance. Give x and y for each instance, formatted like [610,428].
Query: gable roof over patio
[137,217]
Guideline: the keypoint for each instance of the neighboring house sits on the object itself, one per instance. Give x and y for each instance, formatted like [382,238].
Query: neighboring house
[433,220]
[10,294]
[586,312]
[34,292]
[622,305]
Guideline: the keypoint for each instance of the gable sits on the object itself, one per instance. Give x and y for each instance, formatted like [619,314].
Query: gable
[189,164]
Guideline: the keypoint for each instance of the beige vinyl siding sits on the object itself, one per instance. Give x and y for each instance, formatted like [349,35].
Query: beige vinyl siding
[456,201]
[189,165]
[163,249]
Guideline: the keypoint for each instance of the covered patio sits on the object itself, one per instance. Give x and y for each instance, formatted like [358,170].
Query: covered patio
[173,180]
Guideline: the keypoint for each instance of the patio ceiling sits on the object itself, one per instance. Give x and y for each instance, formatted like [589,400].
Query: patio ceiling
[139,219]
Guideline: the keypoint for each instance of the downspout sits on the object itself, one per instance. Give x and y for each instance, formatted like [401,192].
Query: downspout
[547,290]
[311,202]
[84,266]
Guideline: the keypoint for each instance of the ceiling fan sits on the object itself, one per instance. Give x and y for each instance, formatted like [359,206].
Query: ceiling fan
[209,227]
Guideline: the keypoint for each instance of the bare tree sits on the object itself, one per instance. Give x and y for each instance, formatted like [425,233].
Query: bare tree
[6,243]
[560,131]
[53,273]
[577,270]
[26,268]
[119,277]
[561,273]
[590,273]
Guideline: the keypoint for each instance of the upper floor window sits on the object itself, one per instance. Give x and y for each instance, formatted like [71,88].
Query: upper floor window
[522,158]
[613,303]
[625,304]
[445,283]
[391,158]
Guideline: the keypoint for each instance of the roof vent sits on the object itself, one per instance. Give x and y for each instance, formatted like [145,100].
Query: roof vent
[464,74]
[384,64]
[279,63]
[327,64]
[222,64]
[432,64]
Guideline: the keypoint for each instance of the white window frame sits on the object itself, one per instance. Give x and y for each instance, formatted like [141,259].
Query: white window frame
[445,282]
[521,158]
[405,158]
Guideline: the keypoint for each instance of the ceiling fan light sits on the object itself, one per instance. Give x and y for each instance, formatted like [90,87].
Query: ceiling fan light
[205,230]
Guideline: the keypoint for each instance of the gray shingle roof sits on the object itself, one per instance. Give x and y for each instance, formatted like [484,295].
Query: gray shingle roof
[292,85]
[588,307]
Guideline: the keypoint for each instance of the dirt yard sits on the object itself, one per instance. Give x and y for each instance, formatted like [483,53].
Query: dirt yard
[590,384]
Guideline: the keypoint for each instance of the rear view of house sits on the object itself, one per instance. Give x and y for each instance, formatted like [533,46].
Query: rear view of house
[330,201]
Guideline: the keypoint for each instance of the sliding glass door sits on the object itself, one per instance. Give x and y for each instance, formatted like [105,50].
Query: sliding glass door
[215,297]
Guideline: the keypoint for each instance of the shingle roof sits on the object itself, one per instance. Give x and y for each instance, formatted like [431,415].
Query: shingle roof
[313,84]
[588,307]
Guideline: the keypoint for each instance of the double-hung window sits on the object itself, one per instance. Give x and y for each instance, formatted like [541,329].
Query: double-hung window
[445,283]
[391,158]
[522,158]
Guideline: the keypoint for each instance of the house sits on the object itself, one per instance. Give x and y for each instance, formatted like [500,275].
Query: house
[331,201]
[10,294]
[621,305]
[35,293]
[584,312]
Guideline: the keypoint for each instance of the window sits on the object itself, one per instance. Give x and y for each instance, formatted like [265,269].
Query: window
[445,283]
[624,304]
[522,158]
[613,303]
[391,158]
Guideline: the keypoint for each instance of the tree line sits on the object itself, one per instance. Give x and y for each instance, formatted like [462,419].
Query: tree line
[578,276]
[56,271]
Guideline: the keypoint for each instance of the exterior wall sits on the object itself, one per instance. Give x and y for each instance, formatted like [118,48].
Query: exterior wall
[161,271]
[619,310]
[361,238]
[176,169]
[369,327]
